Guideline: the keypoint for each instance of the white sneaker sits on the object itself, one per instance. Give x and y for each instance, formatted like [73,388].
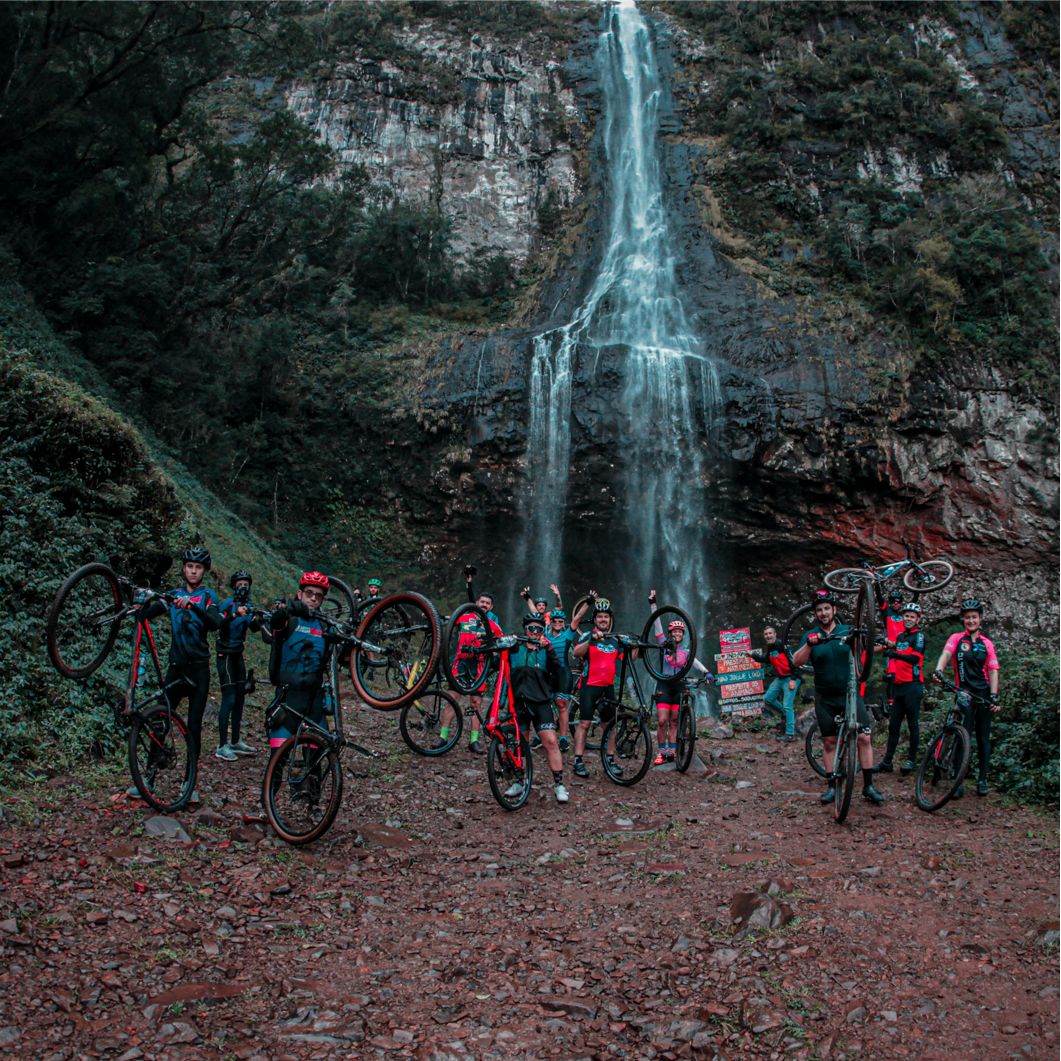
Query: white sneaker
[193,799]
[514,790]
[561,794]
[241,747]
[226,752]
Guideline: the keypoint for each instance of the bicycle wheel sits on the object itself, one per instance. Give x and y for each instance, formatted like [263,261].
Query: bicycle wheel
[943,768]
[464,657]
[815,750]
[655,658]
[686,740]
[633,748]
[865,632]
[421,723]
[937,573]
[846,579]
[83,621]
[403,638]
[161,762]
[510,784]
[303,789]
[847,760]
[796,615]
[340,604]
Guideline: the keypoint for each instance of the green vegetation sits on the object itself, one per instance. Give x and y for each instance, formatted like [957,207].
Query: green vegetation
[810,105]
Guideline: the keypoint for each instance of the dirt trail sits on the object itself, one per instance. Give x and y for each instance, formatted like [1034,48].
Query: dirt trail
[431,924]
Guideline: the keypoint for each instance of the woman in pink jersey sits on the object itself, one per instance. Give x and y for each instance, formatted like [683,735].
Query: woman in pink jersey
[975,670]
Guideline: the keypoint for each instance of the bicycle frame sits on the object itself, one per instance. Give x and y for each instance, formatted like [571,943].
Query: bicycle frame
[494,727]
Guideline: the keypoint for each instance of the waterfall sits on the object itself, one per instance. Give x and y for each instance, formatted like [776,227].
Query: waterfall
[671,398]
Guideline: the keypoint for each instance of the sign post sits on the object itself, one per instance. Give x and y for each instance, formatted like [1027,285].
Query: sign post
[739,677]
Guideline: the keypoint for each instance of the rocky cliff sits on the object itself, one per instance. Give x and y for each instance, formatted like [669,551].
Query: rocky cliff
[844,428]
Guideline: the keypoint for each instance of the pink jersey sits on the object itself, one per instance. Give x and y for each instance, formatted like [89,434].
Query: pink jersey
[973,656]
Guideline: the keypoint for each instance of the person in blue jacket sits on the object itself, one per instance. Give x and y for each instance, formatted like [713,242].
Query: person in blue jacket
[237,618]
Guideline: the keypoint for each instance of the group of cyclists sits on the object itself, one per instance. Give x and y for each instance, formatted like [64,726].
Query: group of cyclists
[544,683]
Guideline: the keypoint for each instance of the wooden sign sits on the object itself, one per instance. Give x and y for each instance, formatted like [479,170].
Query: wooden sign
[743,709]
[739,689]
[753,675]
[735,640]
[728,662]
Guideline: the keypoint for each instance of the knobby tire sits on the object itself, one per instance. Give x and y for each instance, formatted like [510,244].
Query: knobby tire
[292,792]
[943,767]
[847,757]
[686,741]
[421,720]
[502,772]
[941,571]
[160,759]
[75,648]
[634,732]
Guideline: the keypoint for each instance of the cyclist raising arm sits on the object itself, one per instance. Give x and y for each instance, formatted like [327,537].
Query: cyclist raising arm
[906,651]
[976,670]
[827,650]
[194,613]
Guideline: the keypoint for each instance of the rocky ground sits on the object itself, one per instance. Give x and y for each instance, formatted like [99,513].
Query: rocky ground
[429,923]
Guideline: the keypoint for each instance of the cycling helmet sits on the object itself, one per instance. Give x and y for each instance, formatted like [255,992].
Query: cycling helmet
[676,624]
[535,620]
[374,582]
[602,604]
[196,555]
[895,597]
[239,576]
[558,613]
[823,596]
[540,600]
[913,606]
[971,604]
[314,578]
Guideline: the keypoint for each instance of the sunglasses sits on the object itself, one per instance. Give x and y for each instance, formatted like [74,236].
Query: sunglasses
[316,594]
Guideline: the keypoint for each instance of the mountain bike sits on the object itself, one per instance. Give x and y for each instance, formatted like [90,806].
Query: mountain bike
[920,576]
[81,631]
[815,749]
[685,743]
[946,759]
[422,719]
[302,789]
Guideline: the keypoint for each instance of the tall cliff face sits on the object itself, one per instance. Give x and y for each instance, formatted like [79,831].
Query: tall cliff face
[843,431]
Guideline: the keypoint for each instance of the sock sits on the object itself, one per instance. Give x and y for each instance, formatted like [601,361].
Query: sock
[444,733]
[474,736]
[867,777]
[578,758]
[558,777]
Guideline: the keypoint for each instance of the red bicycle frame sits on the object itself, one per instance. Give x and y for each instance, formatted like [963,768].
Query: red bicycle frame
[494,727]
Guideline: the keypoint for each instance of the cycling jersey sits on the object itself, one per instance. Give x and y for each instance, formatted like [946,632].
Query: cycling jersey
[831,661]
[973,656]
[297,656]
[893,628]
[531,669]
[602,660]
[233,629]
[908,656]
[189,626]
[779,659]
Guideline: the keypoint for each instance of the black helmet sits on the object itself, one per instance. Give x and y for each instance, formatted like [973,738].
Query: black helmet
[823,596]
[971,604]
[895,596]
[239,576]
[537,620]
[602,604]
[196,555]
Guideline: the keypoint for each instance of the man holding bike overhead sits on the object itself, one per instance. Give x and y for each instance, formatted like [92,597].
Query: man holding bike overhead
[828,649]
[469,635]
[906,657]
[976,671]
[194,613]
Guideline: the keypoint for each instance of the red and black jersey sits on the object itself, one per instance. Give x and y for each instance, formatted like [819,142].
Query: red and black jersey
[602,660]
[908,656]
[893,629]
[779,659]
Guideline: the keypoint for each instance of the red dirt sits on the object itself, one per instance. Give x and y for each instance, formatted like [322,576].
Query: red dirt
[466,932]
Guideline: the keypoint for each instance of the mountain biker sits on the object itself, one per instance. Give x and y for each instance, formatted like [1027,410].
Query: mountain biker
[602,654]
[237,619]
[540,606]
[560,635]
[907,652]
[976,671]
[781,692]
[532,667]
[194,613]
[468,633]
[668,694]
[892,613]
[296,659]
[829,653]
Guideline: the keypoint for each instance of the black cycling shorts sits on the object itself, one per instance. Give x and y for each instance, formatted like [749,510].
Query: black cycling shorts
[828,705]
[536,713]
[598,699]
[669,692]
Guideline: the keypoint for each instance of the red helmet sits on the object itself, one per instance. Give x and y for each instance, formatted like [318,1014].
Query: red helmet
[314,578]
[676,624]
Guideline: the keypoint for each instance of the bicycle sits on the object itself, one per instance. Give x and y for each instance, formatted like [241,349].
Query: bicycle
[469,659]
[921,576]
[814,749]
[946,759]
[685,743]
[302,789]
[420,722]
[81,630]
[861,639]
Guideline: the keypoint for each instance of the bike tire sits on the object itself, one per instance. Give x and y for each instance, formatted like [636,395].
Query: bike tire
[467,681]
[421,721]
[685,742]
[633,746]
[797,614]
[865,621]
[412,642]
[161,762]
[293,806]
[340,604]
[78,635]
[943,767]
[815,750]
[654,658]
[846,579]
[915,582]
[502,772]
[847,754]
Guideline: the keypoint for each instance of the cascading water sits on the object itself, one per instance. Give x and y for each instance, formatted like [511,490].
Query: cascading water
[671,396]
